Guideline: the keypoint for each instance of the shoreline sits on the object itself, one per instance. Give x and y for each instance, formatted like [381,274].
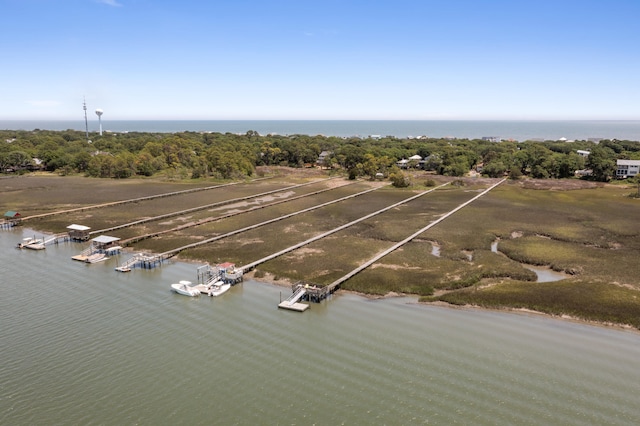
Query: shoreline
[40,227]
[269,278]
[286,283]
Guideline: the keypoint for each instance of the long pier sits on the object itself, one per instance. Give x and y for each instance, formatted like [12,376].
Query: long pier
[204,207]
[224,216]
[331,287]
[171,253]
[252,265]
[317,293]
[135,200]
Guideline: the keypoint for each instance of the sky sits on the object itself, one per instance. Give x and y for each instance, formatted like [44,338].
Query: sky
[320,59]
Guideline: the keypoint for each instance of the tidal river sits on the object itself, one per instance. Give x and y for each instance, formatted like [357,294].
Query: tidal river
[83,344]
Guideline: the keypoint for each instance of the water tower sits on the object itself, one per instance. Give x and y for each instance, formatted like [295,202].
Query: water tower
[99,113]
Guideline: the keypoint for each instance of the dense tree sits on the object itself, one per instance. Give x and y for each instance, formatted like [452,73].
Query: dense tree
[602,163]
[495,168]
[228,155]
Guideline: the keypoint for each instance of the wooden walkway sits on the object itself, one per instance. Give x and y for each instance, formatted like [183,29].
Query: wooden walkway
[225,216]
[57,239]
[135,200]
[252,265]
[332,287]
[199,208]
[159,258]
[171,253]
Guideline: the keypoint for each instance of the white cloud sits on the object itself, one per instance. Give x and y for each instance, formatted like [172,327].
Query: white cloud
[113,3]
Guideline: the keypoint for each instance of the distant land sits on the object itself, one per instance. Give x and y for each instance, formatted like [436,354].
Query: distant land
[519,130]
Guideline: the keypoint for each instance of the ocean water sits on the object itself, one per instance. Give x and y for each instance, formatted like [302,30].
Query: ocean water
[516,130]
[83,344]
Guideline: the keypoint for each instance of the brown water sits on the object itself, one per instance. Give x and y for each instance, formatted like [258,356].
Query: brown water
[82,344]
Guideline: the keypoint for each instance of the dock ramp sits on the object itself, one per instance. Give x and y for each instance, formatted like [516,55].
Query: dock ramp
[292,302]
[140,260]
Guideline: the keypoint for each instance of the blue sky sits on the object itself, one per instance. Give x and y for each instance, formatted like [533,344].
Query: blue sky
[321,59]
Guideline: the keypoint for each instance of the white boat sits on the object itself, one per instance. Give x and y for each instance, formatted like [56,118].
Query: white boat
[32,243]
[185,288]
[95,258]
[218,288]
[36,245]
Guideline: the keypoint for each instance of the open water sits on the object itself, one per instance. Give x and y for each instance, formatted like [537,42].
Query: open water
[83,344]
[519,130]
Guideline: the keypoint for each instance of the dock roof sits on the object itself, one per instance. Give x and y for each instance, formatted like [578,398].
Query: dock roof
[105,239]
[75,227]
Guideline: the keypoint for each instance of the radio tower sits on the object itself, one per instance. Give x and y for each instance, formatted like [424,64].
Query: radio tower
[86,123]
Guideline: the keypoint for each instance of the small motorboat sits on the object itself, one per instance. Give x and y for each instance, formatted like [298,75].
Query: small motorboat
[185,288]
[96,257]
[32,243]
[218,288]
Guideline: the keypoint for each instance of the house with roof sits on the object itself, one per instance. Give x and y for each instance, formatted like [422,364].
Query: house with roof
[627,168]
[403,164]
[105,244]
[323,158]
[100,248]
[78,232]
[492,138]
[12,218]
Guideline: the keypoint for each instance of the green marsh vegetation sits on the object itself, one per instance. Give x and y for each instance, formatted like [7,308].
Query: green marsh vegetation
[592,234]
[585,229]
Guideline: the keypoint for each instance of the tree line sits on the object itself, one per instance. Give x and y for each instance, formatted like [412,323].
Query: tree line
[230,155]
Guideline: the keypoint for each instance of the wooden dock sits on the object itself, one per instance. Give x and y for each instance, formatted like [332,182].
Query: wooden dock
[298,307]
[6,225]
[292,303]
[314,293]
[252,265]
[203,207]
[173,252]
[135,200]
[304,291]
[140,260]
[334,285]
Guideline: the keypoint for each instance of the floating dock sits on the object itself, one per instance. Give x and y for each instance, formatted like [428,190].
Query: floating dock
[304,291]
[292,302]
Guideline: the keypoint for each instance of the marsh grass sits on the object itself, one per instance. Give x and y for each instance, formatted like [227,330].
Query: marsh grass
[591,301]
[591,233]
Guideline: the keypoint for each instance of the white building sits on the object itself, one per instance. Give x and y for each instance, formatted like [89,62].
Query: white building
[627,168]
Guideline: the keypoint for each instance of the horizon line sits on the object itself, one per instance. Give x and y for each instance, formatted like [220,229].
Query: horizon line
[323,119]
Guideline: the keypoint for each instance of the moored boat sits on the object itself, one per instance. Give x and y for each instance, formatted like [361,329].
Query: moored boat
[218,288]
[32,243]
[185,288]
[95,258]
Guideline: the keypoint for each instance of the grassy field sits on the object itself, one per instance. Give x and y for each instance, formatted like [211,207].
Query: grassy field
[591,232]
